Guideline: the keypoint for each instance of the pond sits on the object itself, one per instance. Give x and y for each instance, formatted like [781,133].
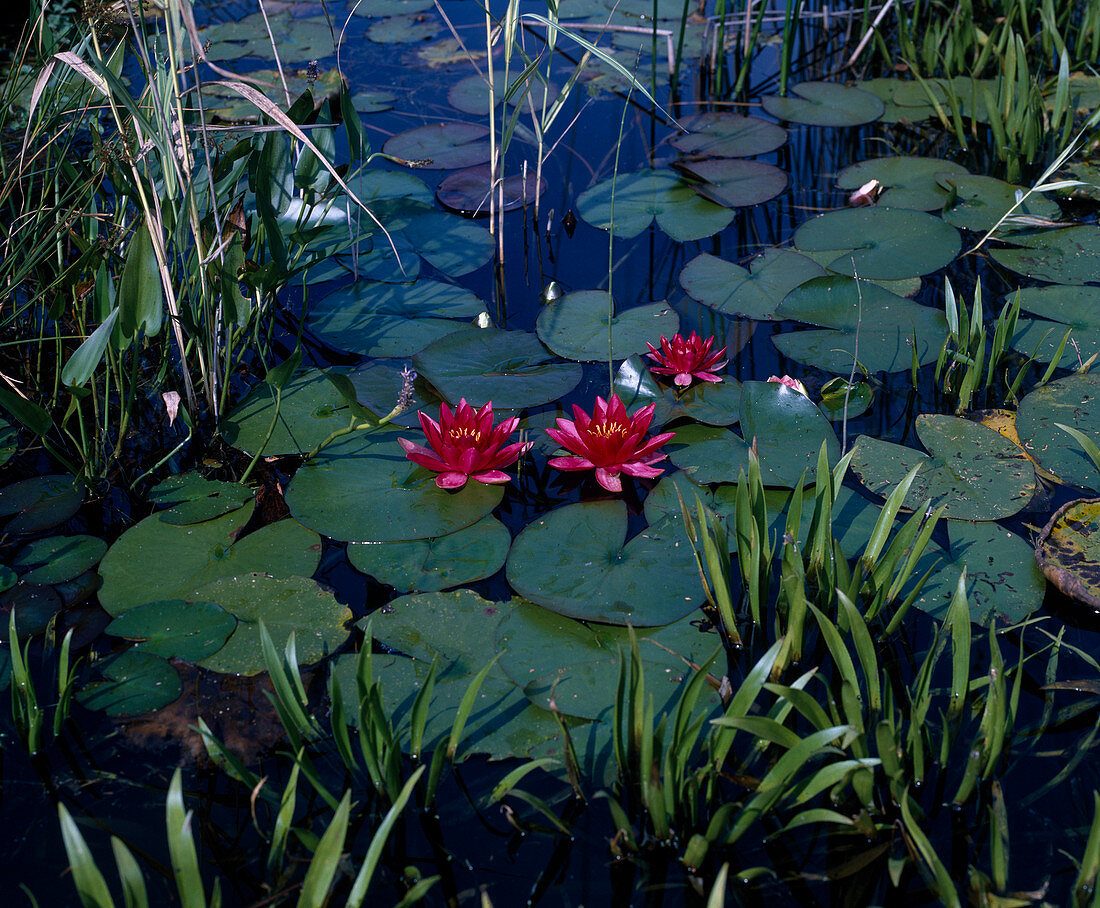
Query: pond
[626,452]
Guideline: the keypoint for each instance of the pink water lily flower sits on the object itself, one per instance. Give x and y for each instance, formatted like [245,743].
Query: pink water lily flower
[465,445]
[793,383]
[686,358]
[610,441]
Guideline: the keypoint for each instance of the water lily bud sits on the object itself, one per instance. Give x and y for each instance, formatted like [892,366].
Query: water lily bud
[552,292]
[867,194]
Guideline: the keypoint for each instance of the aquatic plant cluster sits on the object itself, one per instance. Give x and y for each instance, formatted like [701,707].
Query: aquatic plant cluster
[292,483]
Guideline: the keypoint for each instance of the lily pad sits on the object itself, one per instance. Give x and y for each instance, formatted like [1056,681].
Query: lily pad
[864,322]
[193,498]
[979,202]
[137,683]
[755,292]
[713,403]
[1073,401]
[512,369]
[189,557]
[1064,256]
[378,384]
[878,243]
[576,326]
[727,135]
[708,454]
[576,561]
[1068,550]
[734,183]
[381,8]
[175,629]
[363,489]
[40,502]
[824,104]
[973,470]
[471,94]
[57,559]
[898,106]
[287,605]
[467,191]
[640,197]
[1060,306]
[909,181]
[372,101]
[442,146]
[311,409]
[377,319]
[470,554]
[407,29]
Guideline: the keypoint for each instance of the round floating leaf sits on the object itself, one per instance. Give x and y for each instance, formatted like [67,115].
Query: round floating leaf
[1068,550]
[576,561]
[708,453]
[824,104]
[41,502]
[1060,306]
[175,629]
[510,368]
[576,326]
[753,293]
[734,183]
[470,554]
[311,409]
[189,557]
[864,320]
[471,94]
[381,8]
[57,559]
[378,384]
[641,197]
[372,101]
[1064,256]
[842,399]
[577,667]
[728,135]
[8,579]
[193,498]
[880,243]
[979,202]
[363,489]
[467,191]
[446,146]
[1002,579]
[35,607]
[713,403]
[909,181]
[976,472]
[407,29]
[291,605]
[376,319]
[789,430]
[1071,401]
[898,106]
[137,683]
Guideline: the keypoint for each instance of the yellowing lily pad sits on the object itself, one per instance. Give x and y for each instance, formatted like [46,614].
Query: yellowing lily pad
[1068,550]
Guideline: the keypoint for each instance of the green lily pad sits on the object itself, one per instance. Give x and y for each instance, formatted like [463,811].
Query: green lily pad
[445,146]
[976,472]
[576,326]
[1064,256]
[407,29]
[980,202]
[363,489]
[640,197]
[193,498]
[287,605]
[467,191]
[137,683]
[824,104]
[879,243]
[576,561]
[299,39]
[175,629]
[376,319]
[41,502]
[1068,550]
[862,320]
[898,106]
[57,559]
[713,403]
[471,94]
[470,554]
[708,453]
[909,181]
[561,661]
[372,101]
[841,398]
[755,292]
[1060,306]
[1071,401]
[381,8]
[734,183]
[1003,581]
[378,384]
[189,557]
[727,135]
[311,409]
[512,369]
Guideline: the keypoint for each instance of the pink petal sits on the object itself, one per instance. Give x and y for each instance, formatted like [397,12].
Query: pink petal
[610,481]
[451,480]
[490,476]
[637,468]
[571,463]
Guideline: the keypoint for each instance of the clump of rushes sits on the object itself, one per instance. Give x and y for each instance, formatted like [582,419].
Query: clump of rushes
[465,445]
[687,358]
[611,442]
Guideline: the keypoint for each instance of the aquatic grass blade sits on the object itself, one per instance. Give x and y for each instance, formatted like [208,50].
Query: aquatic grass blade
[940,879]
[322,868]
[363,879]
[284,820]
[91,887]
[181,847]
[134,894]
